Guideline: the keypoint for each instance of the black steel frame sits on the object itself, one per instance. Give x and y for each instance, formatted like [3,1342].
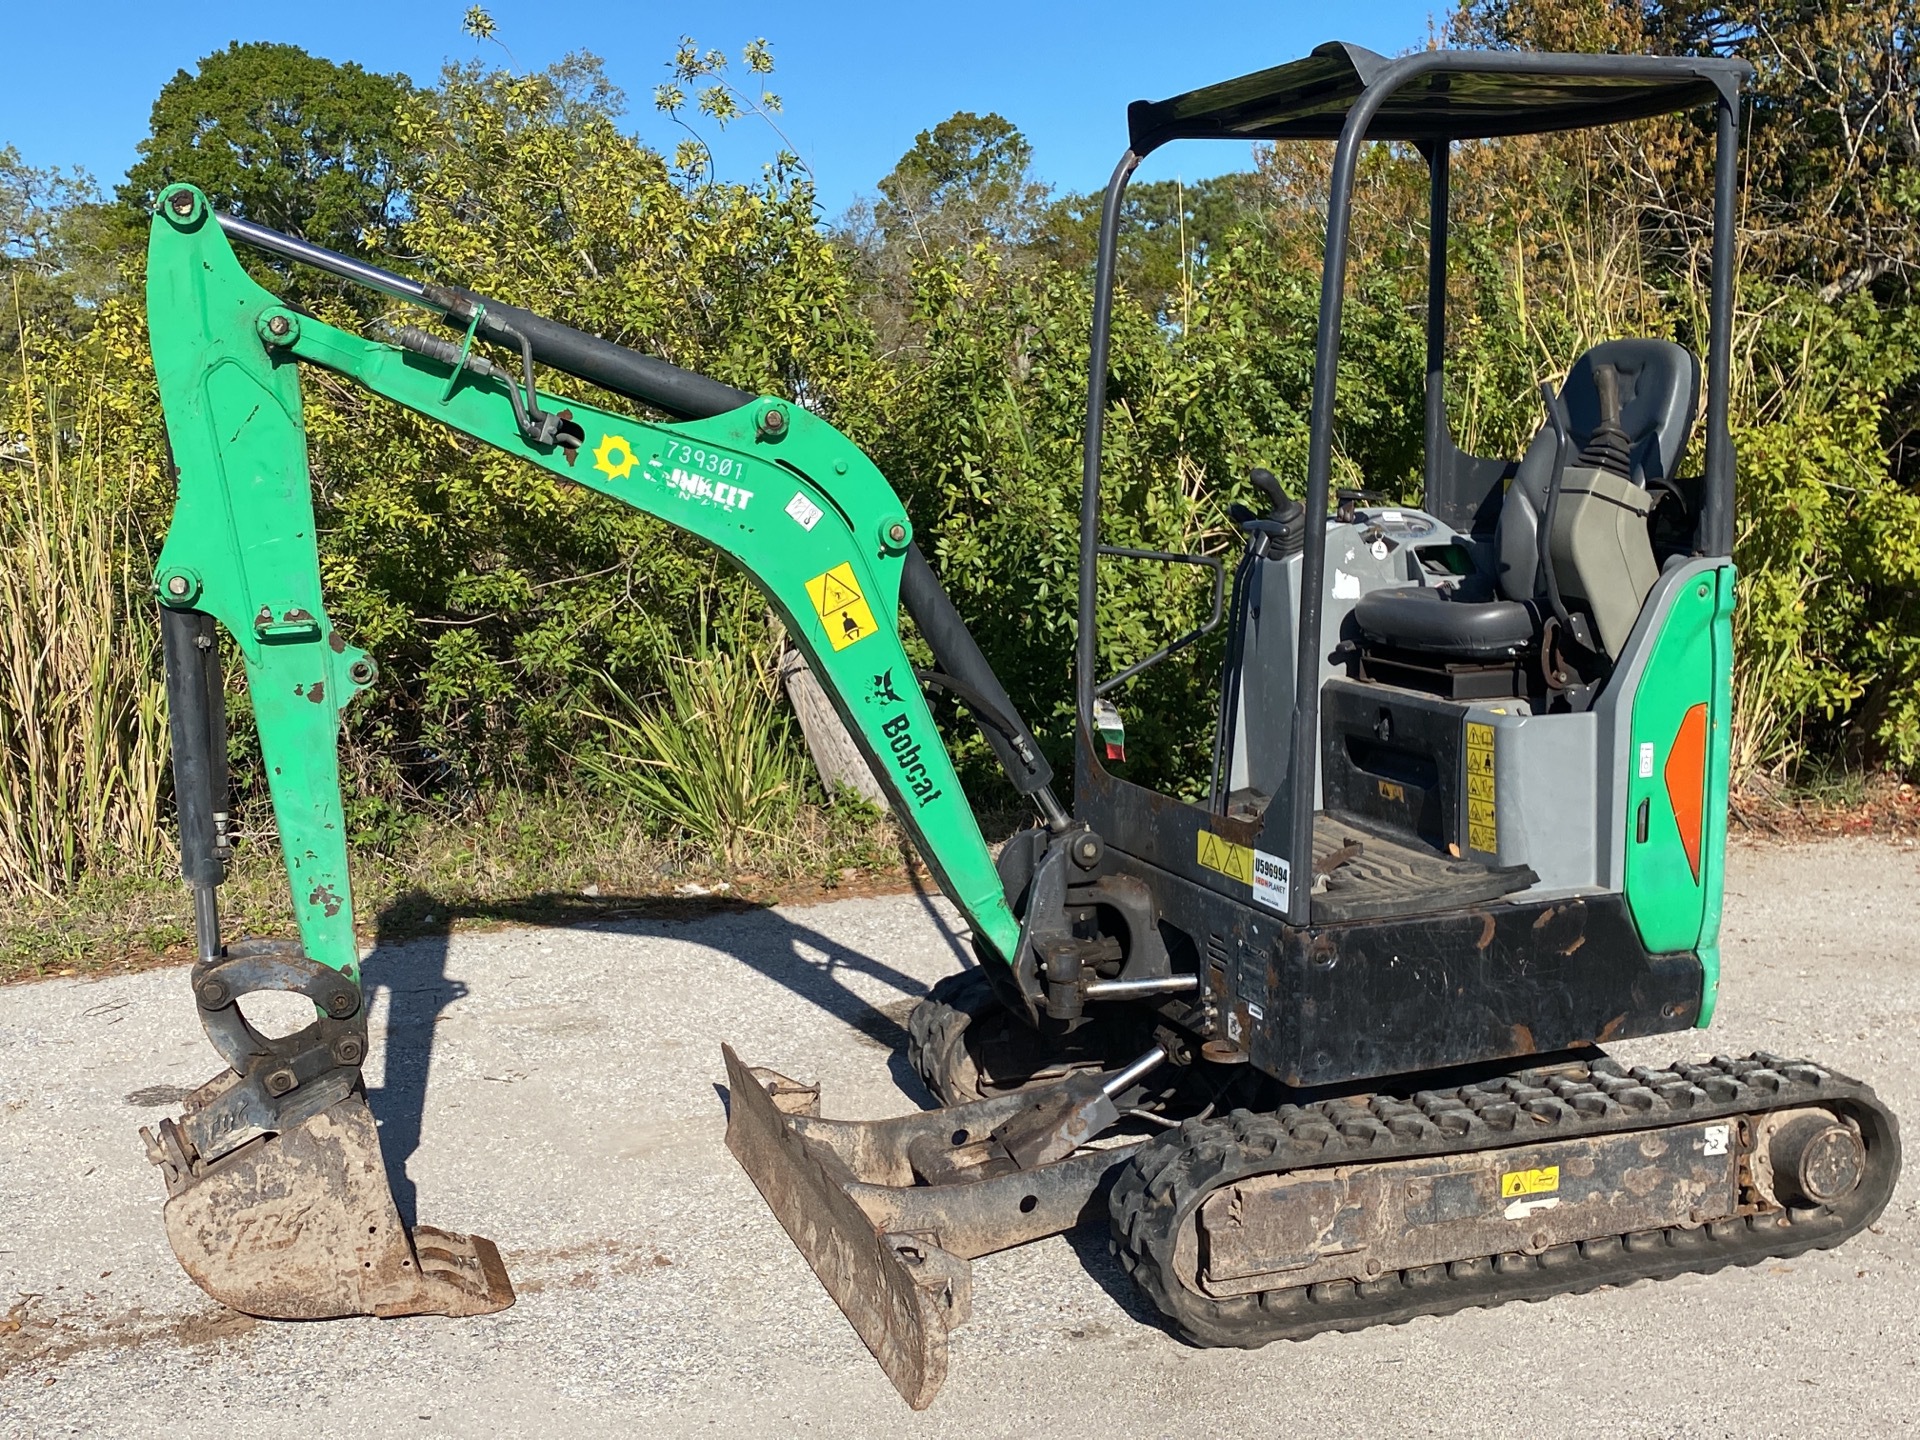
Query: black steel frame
[1447,470]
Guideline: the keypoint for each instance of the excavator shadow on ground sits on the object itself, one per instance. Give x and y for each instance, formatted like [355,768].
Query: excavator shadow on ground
[410,964]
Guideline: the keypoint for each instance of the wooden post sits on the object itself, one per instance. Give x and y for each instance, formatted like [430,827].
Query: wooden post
[835,756]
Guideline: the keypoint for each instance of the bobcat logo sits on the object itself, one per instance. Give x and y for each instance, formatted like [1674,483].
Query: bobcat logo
[883,691]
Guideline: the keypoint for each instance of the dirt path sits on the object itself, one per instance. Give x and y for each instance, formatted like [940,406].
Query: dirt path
[554,1089]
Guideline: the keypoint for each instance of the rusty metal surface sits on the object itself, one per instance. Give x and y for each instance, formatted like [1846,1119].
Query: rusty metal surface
[933,1173]
[1352,1222]
[275,1083]
[979,1217]
[1061,1120]
[302,1226]
[889,1212]
[899,1305]
[1810,1156]
[881,1152]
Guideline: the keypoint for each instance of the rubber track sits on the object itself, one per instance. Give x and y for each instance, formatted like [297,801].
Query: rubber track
[1159,1192]
[936,1036]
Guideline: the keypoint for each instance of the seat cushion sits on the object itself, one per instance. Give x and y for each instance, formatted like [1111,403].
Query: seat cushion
[1429,619]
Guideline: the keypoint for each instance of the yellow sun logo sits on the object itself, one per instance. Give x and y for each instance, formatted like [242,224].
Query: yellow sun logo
[614,457]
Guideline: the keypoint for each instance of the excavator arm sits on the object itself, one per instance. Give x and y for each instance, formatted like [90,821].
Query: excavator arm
[798,506]
[278,1201]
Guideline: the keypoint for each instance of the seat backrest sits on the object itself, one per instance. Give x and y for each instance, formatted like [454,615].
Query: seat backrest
[1659,393]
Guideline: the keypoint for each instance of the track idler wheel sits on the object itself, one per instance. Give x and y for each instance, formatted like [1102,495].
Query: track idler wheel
[277,1196]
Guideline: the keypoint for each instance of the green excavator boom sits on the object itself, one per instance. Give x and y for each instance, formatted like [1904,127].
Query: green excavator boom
[798,506]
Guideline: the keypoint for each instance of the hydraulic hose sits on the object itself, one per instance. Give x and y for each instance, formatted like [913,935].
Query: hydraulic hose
[960,660]
[653,382]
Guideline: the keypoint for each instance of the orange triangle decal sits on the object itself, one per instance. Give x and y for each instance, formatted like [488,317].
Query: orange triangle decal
[1686,776]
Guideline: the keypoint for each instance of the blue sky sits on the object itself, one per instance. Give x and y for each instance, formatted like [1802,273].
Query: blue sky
[859,79]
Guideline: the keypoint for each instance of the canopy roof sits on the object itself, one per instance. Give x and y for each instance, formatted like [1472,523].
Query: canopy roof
[1446,95]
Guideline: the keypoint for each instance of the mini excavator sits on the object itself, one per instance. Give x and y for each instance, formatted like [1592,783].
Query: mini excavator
[1324,1046]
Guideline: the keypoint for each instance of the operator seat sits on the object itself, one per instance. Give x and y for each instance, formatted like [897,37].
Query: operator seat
[1659,393]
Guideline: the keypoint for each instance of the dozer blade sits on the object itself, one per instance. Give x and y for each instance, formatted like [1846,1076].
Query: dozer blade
[301,1225]
[889,1212]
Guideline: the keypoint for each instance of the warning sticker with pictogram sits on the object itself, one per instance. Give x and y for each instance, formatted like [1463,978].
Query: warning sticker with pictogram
[1223,856]
[842,608]
[1483,829]
[1515,1183]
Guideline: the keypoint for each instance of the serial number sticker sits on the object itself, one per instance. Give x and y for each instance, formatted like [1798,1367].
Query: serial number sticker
[1269,875]
[1272,881]
[697,457]
[1517,1183]
[805,513]
[843,610]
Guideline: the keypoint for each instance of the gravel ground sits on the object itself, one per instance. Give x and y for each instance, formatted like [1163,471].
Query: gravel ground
[572,1115]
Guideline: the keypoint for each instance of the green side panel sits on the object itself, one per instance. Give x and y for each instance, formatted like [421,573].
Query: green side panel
[1691,664]
[798,506]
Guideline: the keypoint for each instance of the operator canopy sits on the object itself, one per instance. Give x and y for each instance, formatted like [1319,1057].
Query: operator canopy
[1450,95]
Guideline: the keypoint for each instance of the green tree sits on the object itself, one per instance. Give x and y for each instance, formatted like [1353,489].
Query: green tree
[1169,232]
[967,180]
[283,138]
[60,252]
[965,189]
[494,596]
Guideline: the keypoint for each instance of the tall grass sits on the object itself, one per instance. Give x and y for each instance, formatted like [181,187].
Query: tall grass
[82,722]
[712,755]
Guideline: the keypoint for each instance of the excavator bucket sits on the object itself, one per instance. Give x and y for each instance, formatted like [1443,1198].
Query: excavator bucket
[889,1213]
[301,1224]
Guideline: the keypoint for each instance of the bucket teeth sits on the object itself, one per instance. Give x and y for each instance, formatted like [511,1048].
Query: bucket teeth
[301,1225]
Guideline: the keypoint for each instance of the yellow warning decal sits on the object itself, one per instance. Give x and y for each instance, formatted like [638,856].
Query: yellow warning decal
[1516,1183]
[842,608]
[1482,829]
[1231,860]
